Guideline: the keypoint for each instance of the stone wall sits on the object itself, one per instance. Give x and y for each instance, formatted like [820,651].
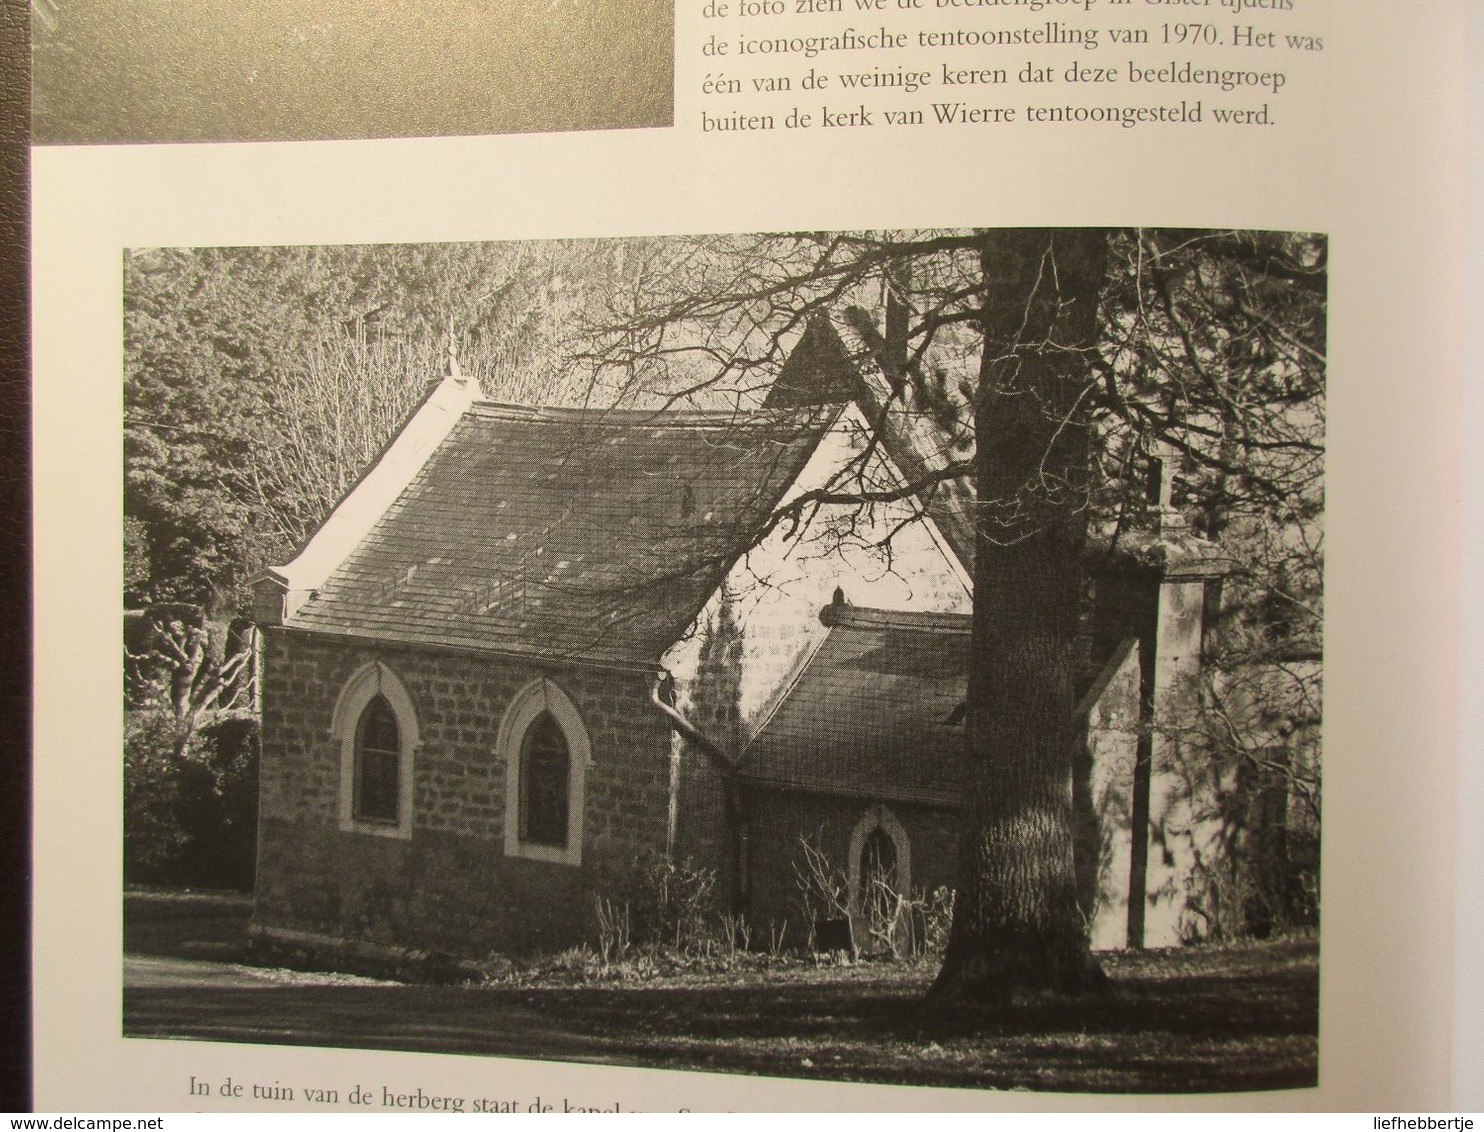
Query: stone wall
[703,826]
[1185,783]
[450,886]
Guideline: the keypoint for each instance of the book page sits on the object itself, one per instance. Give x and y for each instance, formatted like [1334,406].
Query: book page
[1468,989]
[753,117]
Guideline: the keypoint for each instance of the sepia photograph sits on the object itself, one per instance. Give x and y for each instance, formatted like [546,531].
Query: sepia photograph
[870,656]
[111,72]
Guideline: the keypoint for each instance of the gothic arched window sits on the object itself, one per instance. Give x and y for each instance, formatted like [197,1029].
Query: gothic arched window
[877,869]
[545,764]
[880,873]
[376,726]
[544,744]
[378,763]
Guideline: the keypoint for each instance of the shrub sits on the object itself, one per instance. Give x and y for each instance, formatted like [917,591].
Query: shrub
[932,920]
[153,835]
[676,901]
[894,923]
[613,928]
[190,810]
[658,902]
[220,808]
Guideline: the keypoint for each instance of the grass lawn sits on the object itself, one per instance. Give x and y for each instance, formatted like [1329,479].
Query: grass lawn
[1194,1020]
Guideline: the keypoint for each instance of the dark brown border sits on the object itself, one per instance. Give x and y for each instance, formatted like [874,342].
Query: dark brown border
[15,559]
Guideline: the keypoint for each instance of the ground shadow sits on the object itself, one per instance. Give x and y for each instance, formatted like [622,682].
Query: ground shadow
[1197,1020]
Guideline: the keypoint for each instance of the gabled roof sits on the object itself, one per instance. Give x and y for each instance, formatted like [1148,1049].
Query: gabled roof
[593,535]
[868,716]
[847,360]
[835,363]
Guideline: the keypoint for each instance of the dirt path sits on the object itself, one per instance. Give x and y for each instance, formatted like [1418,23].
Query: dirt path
[212,1001]
[1193,1020]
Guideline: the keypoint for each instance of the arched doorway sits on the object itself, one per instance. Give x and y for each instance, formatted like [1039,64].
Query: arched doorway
[878,895]
[880,880]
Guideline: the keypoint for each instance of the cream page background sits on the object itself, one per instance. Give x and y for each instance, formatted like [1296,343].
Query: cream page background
[1367,148]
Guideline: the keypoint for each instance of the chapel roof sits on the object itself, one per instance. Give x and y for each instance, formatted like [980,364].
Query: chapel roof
[586,534]
[834,363]
[874,711]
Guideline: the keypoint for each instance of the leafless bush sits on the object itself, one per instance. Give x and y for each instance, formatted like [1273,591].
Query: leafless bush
[777,934]
[886,916]
[931,918]
[613,928]
[824,891]
[658,902]
[736,934]
[676,902]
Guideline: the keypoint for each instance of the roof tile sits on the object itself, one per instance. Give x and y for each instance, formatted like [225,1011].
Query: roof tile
[570,533]
[868,714]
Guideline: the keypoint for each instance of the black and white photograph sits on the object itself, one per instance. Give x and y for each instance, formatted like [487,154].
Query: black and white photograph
[861,656]
[112,72]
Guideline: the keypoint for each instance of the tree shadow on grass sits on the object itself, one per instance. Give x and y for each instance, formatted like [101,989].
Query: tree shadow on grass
[1222,1028]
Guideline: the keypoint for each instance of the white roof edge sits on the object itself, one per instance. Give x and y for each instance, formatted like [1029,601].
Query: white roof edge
[853,417]
[875,379]
[357,512]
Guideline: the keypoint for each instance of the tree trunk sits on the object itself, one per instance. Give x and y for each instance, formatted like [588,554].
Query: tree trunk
[1016,921]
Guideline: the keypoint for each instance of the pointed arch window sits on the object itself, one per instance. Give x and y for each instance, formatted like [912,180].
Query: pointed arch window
[545,763]
[378,763]
[545,746]
[880,874]
[376,726]
[876,896]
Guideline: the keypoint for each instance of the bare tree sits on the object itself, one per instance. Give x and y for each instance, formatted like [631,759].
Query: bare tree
[199,669]
[1017,921]
[1050,370]
[332,412]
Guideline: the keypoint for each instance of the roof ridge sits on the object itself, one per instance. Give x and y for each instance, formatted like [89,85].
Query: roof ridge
[509,410]
[858,616]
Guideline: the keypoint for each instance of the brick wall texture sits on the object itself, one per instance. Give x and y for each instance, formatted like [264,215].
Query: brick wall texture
[450,887]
